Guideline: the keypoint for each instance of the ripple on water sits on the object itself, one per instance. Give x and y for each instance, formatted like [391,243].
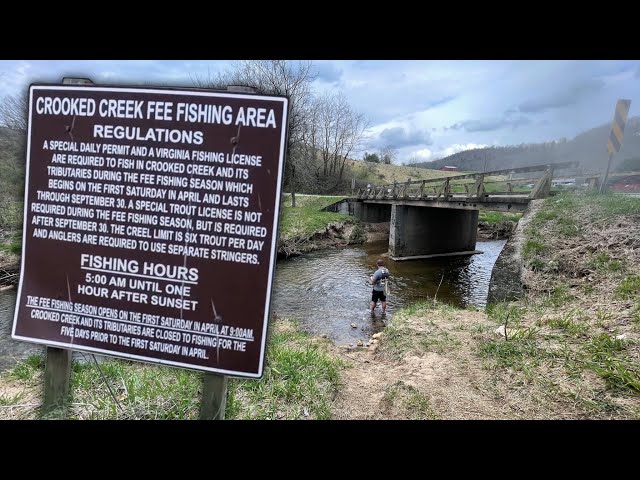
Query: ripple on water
[326,291]
[11,351]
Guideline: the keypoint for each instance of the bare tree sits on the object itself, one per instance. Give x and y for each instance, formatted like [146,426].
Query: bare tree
[413,160]
[487,156]
[14,111]
[279,77]
[388,154]
[340,132]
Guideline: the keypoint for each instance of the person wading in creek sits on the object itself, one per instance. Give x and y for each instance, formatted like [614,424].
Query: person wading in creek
[379,280]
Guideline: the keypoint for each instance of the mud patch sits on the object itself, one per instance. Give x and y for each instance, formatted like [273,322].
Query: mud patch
[376,232]
[334,235]
[495,230]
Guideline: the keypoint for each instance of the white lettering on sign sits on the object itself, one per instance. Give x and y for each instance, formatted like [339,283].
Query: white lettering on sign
[151,205]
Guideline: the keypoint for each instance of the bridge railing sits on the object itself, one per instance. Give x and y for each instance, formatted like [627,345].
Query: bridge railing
[471,185]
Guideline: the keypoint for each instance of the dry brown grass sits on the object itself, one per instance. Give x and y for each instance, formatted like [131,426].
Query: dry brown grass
[380,174]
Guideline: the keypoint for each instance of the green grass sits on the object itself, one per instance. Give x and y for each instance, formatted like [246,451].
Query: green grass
[519,352]
[409,401]
[602,262]
[612,204]
[12,247]
[497,217]
[307,217]
[11,212]
[6,400]
[569,325]
[380,174]
[505,312]
[439,342]
[532,248]
[143,391]
[587,289]
[629,288]
[401,339]
[417,308]
[561,206]
[300,381]
[568,227]
[559,296]
[10,225]
[544,216]
[27,369]
[606,358]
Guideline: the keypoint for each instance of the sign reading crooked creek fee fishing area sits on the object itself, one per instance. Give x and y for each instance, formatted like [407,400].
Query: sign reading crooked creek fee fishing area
[150,224]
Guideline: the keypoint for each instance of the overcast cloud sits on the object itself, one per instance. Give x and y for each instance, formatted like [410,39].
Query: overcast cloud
[426,109]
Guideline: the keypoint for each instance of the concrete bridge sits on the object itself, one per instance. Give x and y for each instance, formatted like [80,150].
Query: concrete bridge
[440,217]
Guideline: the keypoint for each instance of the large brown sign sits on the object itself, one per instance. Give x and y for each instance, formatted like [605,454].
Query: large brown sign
[150,224]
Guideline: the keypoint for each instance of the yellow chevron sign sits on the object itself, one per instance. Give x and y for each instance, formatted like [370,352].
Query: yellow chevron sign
[617,127]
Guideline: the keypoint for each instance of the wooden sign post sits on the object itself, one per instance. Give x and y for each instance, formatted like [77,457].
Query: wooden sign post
[57,367]
[151,217]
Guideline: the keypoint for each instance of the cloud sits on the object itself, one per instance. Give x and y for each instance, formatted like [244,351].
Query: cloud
[568,97]
[400,137]
[425,154]
[329,73]
[458,147]
[490,124]
[437,102]
[16,77]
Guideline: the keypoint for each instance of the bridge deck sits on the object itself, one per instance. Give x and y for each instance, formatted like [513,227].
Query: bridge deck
[500,202]
[476,196]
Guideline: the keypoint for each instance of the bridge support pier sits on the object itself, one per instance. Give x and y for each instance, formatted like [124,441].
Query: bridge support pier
[372,213]
[422,232]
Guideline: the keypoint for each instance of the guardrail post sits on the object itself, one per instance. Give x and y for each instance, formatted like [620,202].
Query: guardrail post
[478,188]
[543,187]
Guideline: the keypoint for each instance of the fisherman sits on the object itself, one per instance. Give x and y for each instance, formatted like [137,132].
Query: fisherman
[379,282]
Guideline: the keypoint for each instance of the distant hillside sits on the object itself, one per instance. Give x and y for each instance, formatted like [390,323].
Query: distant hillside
[589,148]
[380,173]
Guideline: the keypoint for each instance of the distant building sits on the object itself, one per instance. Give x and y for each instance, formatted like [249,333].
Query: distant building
[626,184]
[449,168]
[563,182]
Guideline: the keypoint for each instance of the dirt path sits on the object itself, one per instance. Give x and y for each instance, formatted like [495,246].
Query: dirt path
[430,366]
[437,384]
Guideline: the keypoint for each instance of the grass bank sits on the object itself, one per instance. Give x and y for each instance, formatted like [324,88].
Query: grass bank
[570,349]
[489,216]
[380,173]
[10,240]
[306,227]
[300,381]
[496,225]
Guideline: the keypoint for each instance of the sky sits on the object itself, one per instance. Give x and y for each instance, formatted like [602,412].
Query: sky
[426,109]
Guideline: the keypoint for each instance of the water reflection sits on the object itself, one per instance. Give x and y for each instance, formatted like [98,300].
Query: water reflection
[11,351]
[327,290]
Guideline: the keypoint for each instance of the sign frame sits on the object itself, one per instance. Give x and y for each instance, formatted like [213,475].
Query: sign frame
[281,163]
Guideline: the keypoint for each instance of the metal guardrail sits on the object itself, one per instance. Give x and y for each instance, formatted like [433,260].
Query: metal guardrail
[434,189]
